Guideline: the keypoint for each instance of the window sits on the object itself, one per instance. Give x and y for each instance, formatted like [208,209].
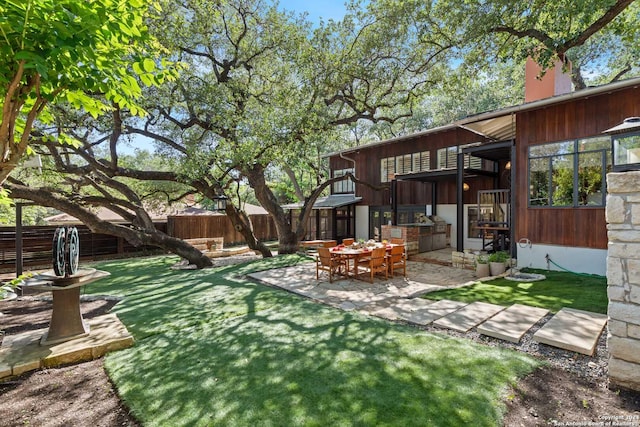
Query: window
[447,158]
[403,164]
[569,173]
[421,161]
[387,169]
[344,186]
[472,162]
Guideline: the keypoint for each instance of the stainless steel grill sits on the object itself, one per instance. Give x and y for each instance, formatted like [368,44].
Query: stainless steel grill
[439,224]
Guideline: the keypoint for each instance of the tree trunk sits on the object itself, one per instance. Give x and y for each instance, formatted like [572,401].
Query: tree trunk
[243,225]
[136,236]
[287,239]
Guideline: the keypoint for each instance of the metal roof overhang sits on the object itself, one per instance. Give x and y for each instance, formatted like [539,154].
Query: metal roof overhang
[495,151]
[496,128]
[329,202]
[441,175]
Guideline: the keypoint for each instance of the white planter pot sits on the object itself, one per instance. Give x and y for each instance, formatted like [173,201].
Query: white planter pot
[482,270]
[497,268]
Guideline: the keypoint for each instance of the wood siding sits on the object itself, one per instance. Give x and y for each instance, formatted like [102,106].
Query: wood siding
[579,227]
[367,161]
[573,119]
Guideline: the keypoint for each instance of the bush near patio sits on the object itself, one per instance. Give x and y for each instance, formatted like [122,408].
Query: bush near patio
[214,348]
[559,289]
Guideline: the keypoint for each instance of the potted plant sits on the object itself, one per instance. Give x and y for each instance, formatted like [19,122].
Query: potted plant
[497,262]
[482,265]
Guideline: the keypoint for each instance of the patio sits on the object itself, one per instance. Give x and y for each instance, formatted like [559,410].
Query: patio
[397,299]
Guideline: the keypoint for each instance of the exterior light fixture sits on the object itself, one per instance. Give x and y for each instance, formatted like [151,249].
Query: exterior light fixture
[625,145]
[465,186]
[220,203]
[508,165]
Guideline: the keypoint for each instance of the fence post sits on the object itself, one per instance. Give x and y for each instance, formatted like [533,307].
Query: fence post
[18,239]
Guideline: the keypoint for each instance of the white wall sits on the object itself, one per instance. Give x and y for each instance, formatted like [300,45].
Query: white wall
[449,214]
[579,260]
[362,222]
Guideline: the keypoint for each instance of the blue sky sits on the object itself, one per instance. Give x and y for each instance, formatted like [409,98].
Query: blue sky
[325,9]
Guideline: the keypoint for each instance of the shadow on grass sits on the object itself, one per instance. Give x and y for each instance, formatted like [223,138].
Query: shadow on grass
[215,349]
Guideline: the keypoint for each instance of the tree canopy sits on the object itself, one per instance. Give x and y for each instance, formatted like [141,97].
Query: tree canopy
[83,52]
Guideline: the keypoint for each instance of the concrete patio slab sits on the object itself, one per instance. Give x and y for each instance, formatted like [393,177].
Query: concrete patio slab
[573,330]
[403,309]
[423,313]
[469,316]
[512,323]
[22,352]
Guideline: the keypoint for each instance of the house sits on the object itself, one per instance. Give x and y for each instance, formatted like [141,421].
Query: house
[530,178]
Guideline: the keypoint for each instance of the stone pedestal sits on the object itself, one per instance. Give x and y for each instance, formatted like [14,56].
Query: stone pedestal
[623,278]
[66,319]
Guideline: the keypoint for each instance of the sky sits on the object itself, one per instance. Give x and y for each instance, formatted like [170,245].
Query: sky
[325,9]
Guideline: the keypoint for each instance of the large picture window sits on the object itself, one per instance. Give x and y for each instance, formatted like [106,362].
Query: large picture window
[344,186]
[569,173]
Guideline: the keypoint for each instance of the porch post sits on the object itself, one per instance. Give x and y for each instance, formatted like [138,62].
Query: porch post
[434,198]
[512,203]
[394,201]
[460,203]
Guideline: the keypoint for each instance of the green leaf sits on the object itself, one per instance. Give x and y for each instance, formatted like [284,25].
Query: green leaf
[149,65]
[137,68]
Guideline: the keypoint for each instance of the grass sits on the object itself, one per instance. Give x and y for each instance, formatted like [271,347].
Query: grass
[559,289]
[214,348]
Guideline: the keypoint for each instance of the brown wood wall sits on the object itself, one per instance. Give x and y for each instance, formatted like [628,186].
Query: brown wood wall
[582,227]
[578,118]
[204,226]
[411,193]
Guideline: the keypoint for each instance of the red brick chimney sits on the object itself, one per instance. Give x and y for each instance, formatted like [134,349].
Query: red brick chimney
[554,82]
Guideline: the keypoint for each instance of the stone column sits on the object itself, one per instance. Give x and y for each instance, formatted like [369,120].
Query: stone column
[623,278]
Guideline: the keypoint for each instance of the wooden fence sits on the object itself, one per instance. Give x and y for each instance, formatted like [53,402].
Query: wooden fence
[37,243]
[208,226]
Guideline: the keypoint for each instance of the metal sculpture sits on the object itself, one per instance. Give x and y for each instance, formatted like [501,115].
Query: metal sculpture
[66,251]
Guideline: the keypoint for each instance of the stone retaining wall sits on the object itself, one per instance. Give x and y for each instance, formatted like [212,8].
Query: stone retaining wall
[623,278]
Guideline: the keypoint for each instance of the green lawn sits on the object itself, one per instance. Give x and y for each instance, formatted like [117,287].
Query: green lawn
[559,289]
[213,348]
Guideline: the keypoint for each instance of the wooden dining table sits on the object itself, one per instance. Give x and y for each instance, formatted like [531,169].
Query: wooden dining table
[354,254]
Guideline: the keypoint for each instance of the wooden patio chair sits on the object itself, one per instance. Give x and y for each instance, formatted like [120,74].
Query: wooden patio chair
[376,264]
[396,241]
[329,243]
[348,241]
[398,260]
[329,263]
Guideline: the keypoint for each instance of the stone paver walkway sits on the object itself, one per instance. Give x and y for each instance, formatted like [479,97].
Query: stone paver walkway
[574,330]
[511,324]
[469,316]
[396,299]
